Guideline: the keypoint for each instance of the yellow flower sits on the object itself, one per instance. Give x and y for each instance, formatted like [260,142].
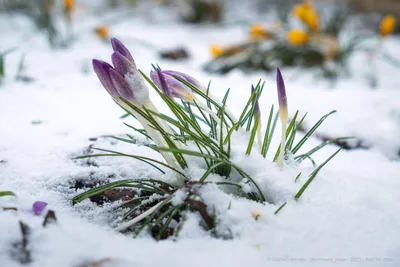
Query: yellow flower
[69,5]
[103,32]
[299,11]
[312,20]
[216,50]
[388,25]
[297,37]
[258,33]
[307,14]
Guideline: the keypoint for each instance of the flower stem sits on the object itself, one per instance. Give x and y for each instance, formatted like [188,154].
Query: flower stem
[149,105]
[281,157]
[259,137]
[157,138]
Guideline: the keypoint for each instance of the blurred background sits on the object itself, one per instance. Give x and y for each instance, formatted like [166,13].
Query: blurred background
[335,55]
[320,35]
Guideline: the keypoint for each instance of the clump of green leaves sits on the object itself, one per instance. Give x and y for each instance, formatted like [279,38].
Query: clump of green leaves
[204,131]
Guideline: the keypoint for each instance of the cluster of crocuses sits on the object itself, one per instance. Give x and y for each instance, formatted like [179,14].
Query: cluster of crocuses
[125,83]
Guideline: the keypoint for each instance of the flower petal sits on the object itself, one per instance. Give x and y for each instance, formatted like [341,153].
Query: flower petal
[171,86]
[187,77]
[38,207]
[159,79]
[121,85]
[122,64]
[118,46]
[138,87]
[283,108]
[102,70]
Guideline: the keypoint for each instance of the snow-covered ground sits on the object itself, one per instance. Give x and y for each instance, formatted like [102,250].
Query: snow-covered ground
[349,216]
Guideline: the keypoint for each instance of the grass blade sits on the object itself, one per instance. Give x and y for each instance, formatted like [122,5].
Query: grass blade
[292,136]
[311,131]
[7,193]
[100,189]
[313,175]
[288,130]
[253,136]
[267,133]
[279,209]
[301,157]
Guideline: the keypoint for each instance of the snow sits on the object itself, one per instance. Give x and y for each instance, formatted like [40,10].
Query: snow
[349,215]
[141,90]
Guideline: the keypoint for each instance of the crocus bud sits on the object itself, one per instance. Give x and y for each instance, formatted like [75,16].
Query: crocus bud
[186,77]
[170,86]
[119,47]
[102,69]
[283,108]
[126,67]
[122,80]
[38,207]
[160,80]
[283,113]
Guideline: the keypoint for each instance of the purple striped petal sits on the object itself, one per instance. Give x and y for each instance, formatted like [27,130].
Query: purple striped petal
[159,79]
[170,86]
[102,70]
[118,46]
[187,77]
[121,85]
[122,64]
[281,93]
[38,207]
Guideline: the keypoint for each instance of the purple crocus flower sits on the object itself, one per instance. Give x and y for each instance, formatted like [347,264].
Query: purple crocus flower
[186,77]
[102,69]
[122,79]
[167,81]
[283,114]
[38,207]
[170,86]
[283,107]
[119,47]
